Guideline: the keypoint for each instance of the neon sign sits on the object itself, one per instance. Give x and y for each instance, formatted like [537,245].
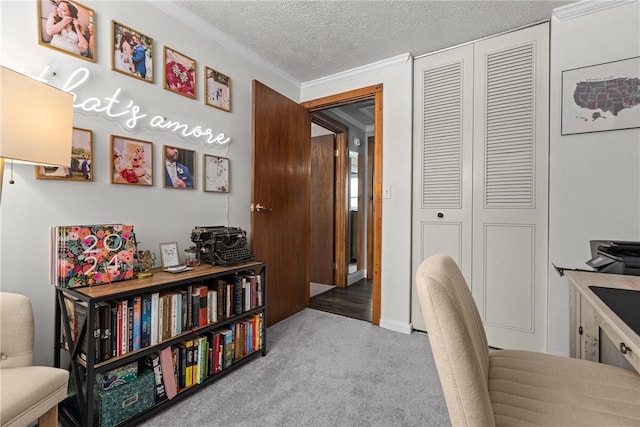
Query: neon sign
[131,113]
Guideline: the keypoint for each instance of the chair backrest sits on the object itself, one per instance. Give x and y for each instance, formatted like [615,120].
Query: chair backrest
[458,341]
[16,331]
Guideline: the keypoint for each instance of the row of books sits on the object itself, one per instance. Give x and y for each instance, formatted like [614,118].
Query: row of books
[192,361]
[144,320]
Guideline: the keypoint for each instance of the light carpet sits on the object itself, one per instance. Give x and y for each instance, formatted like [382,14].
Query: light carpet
[322,369]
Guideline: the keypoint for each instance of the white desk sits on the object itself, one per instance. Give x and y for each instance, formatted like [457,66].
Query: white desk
[591,316]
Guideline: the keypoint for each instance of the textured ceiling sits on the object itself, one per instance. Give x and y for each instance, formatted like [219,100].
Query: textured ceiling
[312,39]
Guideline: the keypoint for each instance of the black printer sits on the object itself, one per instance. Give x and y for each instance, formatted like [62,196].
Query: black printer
[615,257]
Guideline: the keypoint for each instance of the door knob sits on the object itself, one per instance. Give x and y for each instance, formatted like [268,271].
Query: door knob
[260,208]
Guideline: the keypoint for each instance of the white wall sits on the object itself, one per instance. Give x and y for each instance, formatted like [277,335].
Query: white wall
[396,78]
[594,177]
[30,207]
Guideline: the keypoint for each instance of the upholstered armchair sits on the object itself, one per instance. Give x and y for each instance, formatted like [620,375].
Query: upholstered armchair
[27,392]
[513,387]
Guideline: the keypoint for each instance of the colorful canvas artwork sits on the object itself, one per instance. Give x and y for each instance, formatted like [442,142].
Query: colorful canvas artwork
[88,255]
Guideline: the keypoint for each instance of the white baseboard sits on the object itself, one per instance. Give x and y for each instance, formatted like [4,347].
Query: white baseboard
[404,328]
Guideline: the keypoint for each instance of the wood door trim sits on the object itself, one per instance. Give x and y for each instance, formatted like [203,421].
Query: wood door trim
[340,206]
[346,98]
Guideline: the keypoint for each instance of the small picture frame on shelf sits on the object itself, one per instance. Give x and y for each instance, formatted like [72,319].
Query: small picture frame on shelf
[169,256]
[217,89]
[179,73]
[75,37]
[179,167]
[216,174]
[81,168]
[131,161]
[131,52]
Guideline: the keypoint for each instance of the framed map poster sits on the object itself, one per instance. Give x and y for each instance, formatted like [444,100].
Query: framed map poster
[601,97]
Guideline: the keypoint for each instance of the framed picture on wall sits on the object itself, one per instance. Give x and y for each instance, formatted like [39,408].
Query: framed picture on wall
[216,174]
[179,73]
[217,89]
[81,168]
[131,52]
[179,167]
[601,97]
[68,27]
[131,161]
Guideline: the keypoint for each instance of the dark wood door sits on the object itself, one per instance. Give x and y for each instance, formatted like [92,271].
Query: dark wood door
[280,234]
[322,208]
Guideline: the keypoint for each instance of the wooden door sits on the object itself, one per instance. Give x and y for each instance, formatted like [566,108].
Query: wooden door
[281,135]
[322,207]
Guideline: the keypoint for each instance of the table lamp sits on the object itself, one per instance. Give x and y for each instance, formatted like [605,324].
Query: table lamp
[36,122]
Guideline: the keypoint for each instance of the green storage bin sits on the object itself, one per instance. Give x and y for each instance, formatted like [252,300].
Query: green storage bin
[124,401]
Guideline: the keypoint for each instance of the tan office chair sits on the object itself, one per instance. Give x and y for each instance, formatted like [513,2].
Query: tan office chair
[512,387]
[27,393]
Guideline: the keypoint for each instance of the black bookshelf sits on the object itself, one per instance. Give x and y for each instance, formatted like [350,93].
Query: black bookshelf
[79,407]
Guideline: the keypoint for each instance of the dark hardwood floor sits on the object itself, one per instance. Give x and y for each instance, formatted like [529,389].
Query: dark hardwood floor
[353,301]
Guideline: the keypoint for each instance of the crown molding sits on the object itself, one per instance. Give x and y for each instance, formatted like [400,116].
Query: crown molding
[586,7]
[198,24]
[374,67]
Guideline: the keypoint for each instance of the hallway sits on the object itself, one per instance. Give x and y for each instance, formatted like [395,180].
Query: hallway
[354,301]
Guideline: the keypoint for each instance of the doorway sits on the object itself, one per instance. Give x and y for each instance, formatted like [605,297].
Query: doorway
[356,141]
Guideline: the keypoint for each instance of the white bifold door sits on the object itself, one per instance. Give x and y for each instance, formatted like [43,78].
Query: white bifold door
[480,191]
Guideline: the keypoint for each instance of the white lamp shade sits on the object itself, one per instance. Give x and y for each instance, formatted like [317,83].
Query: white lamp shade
[36,120]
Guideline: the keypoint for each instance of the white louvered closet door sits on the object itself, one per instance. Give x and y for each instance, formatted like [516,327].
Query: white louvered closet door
[510,179]
[442,187]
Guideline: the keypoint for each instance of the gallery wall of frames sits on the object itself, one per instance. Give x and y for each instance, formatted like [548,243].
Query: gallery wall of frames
[70,28]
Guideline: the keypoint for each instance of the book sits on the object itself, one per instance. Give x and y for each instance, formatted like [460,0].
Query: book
[104,314]
[195,308]
[136,327]
[227,342]
[114,329]
[238,295]
[212,309]
[195,372]
[166,362]
[188,372]
[155,307]
[182,364]
[251,278]
[88,255]
[81,311]
[201,292]
[130,310]
[145,330]
[161,394]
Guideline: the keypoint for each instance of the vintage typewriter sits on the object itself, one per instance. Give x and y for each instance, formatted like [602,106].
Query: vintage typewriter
[219,245]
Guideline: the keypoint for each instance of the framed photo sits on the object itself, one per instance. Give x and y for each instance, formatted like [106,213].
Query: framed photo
[217,89]
[216,174]
[179,167]
[81,168]
[131,52]
[601,97]
[67,26]
[179,73]
[169,256]
[131,161]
